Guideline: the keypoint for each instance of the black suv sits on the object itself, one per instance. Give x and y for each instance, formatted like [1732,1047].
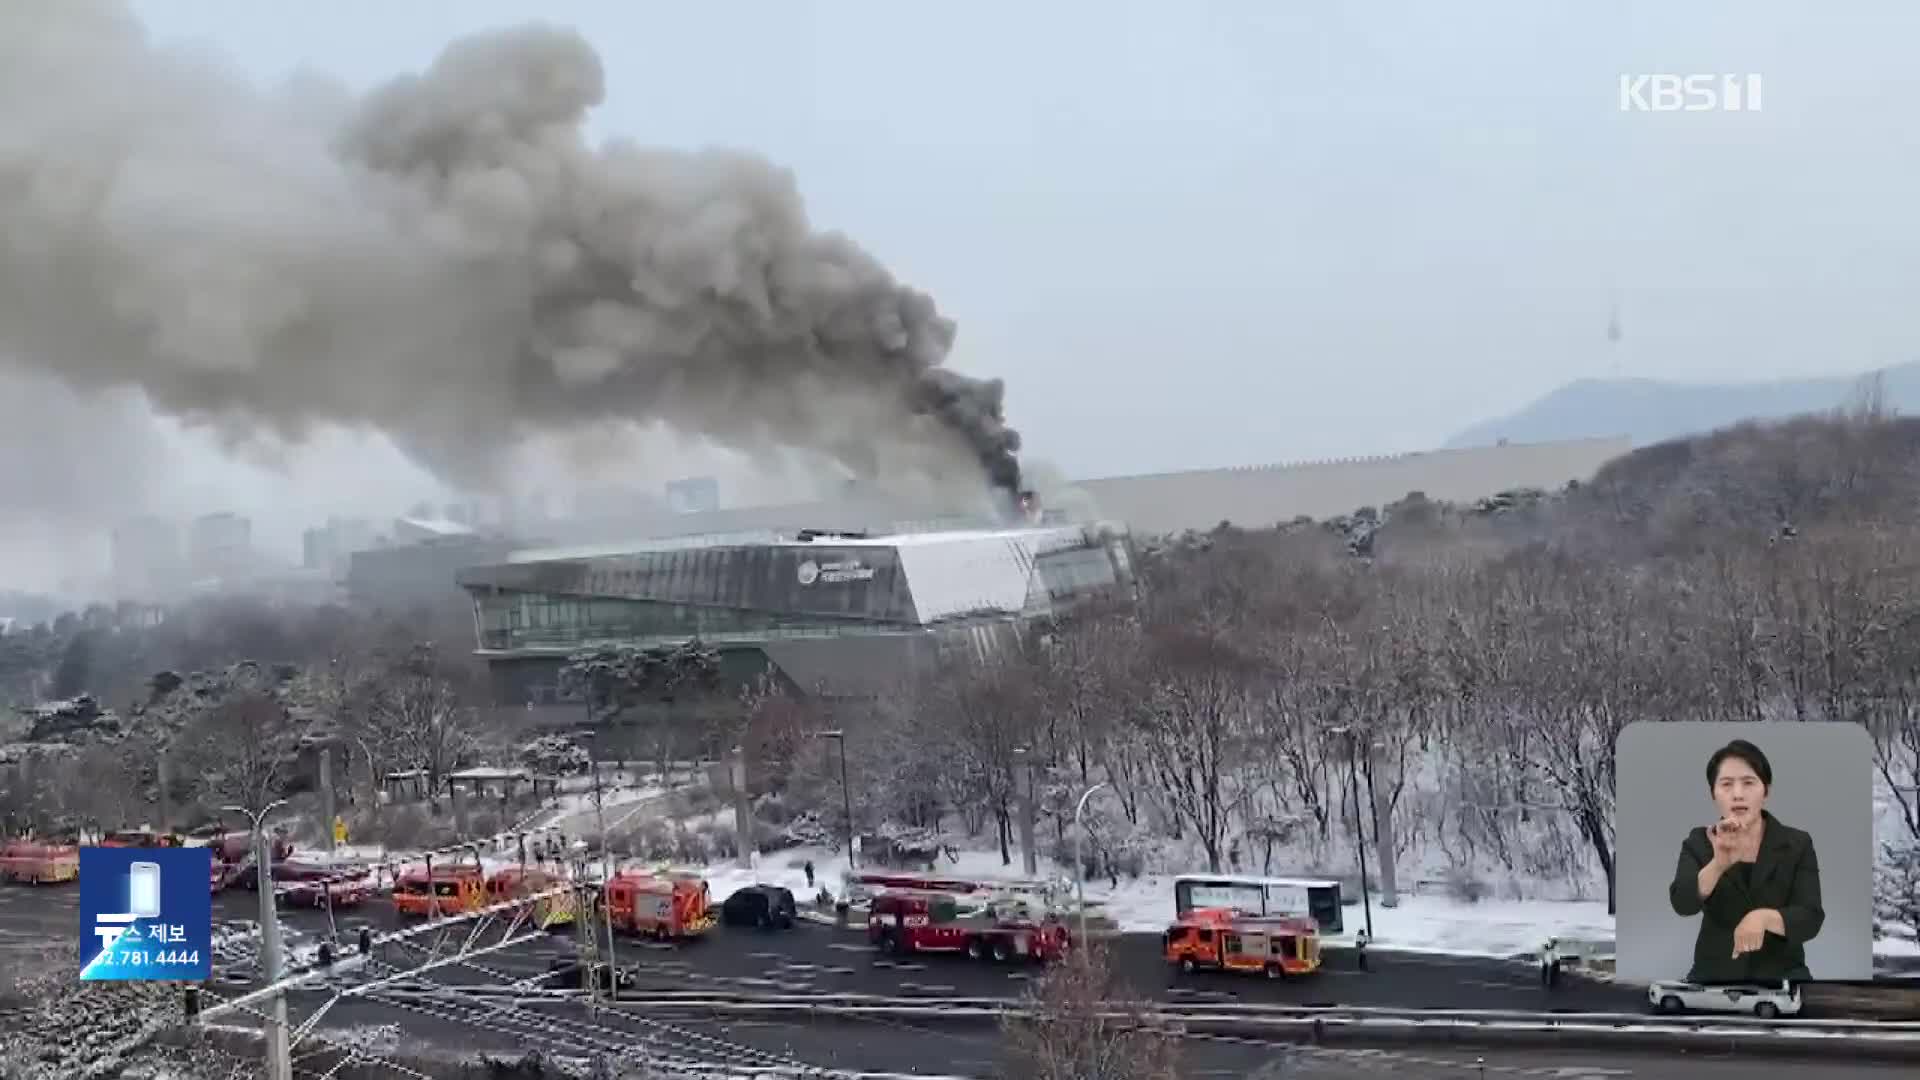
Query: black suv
[765,906]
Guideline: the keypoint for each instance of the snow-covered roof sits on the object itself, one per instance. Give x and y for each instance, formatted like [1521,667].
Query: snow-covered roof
[636,547]
[437,526]
[975,572]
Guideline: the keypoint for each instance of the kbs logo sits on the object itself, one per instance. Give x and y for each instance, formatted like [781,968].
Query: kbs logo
[1689,93]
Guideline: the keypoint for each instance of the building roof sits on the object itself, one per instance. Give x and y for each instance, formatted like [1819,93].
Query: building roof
[436,526]
[905,579]
[1262,496]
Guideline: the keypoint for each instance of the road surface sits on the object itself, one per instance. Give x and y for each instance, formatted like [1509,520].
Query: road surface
[893,1046]
[821,959]
[812,958]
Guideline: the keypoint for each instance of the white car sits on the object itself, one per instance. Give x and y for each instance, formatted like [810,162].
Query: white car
[1766,1002]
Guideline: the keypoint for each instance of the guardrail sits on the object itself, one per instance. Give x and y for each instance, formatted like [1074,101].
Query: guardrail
[1719,1025]
[1359,1025]
[1602,1031]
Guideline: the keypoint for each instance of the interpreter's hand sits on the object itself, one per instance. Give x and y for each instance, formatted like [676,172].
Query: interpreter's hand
[1750,934]
[1728,843]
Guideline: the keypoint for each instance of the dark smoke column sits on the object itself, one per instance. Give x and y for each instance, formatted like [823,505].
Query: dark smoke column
[685,287]
[974,408]
[449,260]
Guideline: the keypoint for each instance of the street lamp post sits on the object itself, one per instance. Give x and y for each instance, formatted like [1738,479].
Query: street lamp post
[606,875]
[846,791]
[279,1059]
[1079,861]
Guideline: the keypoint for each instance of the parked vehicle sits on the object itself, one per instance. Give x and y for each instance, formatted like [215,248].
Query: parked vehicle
[141,838]
[1766,1001]
[768,907]
[666,905]
[549,911]
[1007,928]
[340,889]
[1221,939]
[449,890]
[1259,897]
[33,862]
[237,847]
[223,874]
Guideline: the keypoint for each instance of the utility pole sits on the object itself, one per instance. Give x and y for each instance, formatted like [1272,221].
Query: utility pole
[742,808]
[279,1056]
[606,878]
[846,794]
[1023,792]
[324,749]
[585,933]
[1382,828]
[460,806]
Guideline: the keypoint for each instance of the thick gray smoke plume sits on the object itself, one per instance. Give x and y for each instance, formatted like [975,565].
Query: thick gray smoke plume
[447,260]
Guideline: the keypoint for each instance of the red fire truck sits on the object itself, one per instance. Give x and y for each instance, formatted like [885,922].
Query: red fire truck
[666,905]
[1222,939]
[862,886]
[1006,928]
[36,863]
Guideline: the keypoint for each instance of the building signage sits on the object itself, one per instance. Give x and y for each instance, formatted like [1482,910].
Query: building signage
[834,573]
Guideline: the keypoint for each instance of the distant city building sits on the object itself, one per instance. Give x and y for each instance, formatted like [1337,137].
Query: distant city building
[329,548]
[219,546]
[420,574]
[147,563]
[303,587]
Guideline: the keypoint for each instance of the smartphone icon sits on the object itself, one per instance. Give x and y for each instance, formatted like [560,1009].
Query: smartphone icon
[143,890]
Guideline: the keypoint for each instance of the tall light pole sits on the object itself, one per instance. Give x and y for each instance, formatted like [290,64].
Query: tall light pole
[606,876]
[846,791]
[1079,861]
[279,1058]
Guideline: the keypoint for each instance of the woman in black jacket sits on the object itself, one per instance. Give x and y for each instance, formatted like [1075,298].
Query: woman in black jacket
[1753,880]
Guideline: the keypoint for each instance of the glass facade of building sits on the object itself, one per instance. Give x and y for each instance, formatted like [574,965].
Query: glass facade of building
[748,592]
[1076,572]
[521,620]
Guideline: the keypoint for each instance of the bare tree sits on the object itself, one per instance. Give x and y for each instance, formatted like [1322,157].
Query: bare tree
[234,734]
[1080,1022]
[412,717]
[1196,727]
[244,751]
